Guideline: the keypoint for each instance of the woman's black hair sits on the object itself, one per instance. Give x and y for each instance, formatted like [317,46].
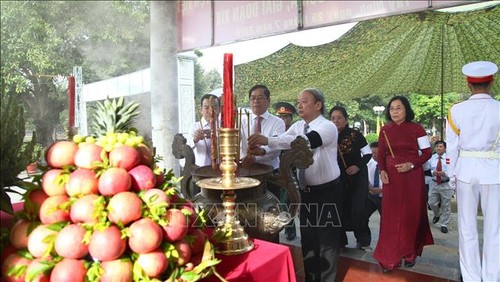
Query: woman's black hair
[410,114]
[340,109]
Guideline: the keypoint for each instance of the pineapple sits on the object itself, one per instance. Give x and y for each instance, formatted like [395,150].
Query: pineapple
[113,116]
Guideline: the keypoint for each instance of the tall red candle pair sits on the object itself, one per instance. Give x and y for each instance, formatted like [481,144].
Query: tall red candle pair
[228,110]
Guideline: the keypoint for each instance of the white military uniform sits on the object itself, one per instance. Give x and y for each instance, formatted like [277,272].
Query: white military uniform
[473,147]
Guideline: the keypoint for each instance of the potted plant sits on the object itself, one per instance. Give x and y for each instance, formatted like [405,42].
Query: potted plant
[35,157]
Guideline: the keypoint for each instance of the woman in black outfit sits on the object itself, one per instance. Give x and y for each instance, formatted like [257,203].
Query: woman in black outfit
[353,155]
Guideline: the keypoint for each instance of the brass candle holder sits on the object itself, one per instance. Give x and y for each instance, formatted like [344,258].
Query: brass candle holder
[235,240]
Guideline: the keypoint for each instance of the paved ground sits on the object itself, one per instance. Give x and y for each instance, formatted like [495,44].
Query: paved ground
[440,259]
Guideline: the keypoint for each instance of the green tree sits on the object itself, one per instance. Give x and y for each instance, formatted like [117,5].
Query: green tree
[43,40]
[427,109]
[205,82]
[361,109]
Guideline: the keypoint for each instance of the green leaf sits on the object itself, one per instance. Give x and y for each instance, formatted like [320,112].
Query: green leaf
[95,272]
[139,274]
[43,267]
[17,271]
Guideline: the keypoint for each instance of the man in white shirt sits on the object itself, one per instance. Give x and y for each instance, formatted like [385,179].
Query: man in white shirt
[374,183]
[473,139]
[321,190]
[440,190]
[201,142]
[374,201]
[261,121]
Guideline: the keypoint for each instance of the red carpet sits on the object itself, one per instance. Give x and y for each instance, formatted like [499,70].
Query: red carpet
[351,270]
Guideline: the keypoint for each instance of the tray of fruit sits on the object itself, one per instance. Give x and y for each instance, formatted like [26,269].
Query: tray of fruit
[104,211]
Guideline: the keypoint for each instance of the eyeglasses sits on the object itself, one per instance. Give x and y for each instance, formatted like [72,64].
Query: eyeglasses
[258,98]
[396,109]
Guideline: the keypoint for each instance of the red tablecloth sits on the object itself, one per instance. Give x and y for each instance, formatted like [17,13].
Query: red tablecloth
[266,262]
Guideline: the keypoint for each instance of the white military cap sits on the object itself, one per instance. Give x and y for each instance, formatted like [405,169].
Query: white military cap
[479,72]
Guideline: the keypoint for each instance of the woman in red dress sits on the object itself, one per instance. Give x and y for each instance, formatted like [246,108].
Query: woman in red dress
[403,148]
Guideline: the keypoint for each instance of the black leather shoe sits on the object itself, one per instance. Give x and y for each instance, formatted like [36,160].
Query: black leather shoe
[444,229]
[409,263]
[435,220]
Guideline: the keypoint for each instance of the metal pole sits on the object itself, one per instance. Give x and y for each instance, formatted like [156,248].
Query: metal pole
[441,115]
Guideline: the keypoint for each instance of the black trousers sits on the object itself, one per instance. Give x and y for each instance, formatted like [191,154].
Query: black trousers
[354,207]
[373,204]
[320,213]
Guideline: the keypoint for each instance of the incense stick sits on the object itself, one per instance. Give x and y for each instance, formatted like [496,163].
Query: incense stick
[201,127]
[342,157]
[343,162]
[388,144]
[240,112]
[248,122]
[213,135]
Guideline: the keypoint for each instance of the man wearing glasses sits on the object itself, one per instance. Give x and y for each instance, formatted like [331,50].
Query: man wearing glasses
[261,121]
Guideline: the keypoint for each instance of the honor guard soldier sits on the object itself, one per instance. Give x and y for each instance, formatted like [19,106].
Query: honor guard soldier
[473,139]
[285,112]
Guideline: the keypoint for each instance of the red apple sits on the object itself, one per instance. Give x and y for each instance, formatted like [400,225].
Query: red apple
[40,240]
[69,242]
[82,182]
[117,270]
[184,251]
[145,153]
[195,259]
[189,209]
[125,157]
[33,201]
[83,210]
[197,240]
[177,226]
[61,153]
[19,234]
[69,270]
[153,263]
[124,207]
[53,209]
[145,236]
[143,178]
[155,196]
[107,244]
[160,179]
[114,180]
[88,155]
[14,260]
[50,185]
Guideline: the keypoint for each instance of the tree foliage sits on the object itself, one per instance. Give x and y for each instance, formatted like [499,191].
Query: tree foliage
[205,81]
[43,40]
[15,155]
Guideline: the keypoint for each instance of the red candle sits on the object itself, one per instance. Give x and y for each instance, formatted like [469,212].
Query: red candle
[229,105]
[71,102]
